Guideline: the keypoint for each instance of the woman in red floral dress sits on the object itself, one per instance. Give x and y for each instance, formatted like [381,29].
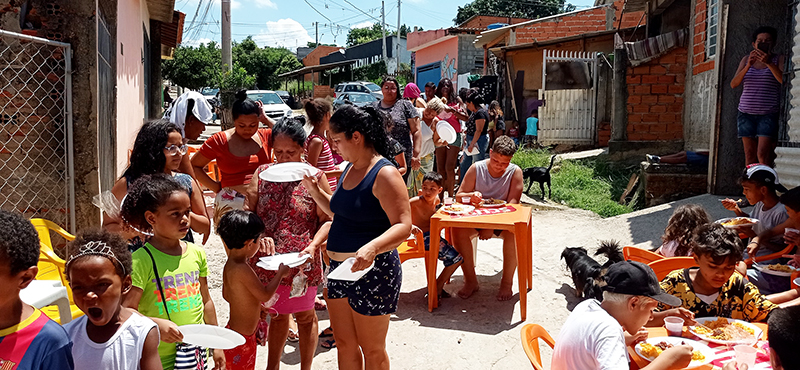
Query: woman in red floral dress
[292,218]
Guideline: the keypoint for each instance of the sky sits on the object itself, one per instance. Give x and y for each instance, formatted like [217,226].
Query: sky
[290,23]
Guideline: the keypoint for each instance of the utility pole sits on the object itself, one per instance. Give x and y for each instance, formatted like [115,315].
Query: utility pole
[316,29]
[227,60]
[397,41]
[383,27]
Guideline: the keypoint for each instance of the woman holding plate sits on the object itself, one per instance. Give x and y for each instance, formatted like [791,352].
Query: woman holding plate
[430,141]
[291,219]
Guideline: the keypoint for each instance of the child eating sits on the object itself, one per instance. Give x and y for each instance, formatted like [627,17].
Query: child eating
[422,208]
[115,337]
[169,275]
[240,231]
[680,229]
[713,289]
[28,338]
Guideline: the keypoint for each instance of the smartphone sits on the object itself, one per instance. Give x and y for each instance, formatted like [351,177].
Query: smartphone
[763,47]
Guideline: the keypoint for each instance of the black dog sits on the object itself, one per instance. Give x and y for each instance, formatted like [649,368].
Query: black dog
[540,175]
[587,274]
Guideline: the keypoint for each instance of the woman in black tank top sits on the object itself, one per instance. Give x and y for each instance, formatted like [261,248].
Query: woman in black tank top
[372,217]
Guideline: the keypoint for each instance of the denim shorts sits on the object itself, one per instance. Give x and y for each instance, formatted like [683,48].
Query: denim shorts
[763,125]
[447,253]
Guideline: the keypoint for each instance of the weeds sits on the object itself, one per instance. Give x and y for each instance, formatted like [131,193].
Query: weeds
[592,183]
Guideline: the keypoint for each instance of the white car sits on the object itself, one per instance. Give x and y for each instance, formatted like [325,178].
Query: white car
[273,105]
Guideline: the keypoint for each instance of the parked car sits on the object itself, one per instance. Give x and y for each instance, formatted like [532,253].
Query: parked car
[287,98]
[357,99]
[209,92]
[358,87]
[274,107]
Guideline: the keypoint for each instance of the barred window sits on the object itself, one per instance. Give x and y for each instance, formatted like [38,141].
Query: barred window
[712,27]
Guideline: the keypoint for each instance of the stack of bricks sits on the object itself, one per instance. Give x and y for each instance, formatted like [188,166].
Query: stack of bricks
[322,91]
[666,183]
[655,97]
[577,23]
[603,133]
[700,61]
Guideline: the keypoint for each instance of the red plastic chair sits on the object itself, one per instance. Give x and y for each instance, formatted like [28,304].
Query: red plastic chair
[640,255]
[530,335]
[664,266]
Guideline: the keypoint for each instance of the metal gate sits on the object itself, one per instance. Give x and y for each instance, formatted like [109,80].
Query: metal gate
[569,92]
[36,163]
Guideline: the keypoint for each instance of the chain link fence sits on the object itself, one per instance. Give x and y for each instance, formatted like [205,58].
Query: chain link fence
[36,164]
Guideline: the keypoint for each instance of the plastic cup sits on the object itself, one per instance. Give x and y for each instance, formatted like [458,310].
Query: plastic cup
[788,230]
[465,200]
[448,201]
[674,326]
[745,355]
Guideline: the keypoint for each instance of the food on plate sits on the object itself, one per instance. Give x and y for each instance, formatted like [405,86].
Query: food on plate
[493,201]
[779,267]
[722,329]
[737,221]
[455,209]
[653,351]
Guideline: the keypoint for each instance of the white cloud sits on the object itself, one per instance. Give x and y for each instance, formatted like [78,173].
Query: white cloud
[236,5]
[364,24]
[265,4]
[287,33]
[196,42]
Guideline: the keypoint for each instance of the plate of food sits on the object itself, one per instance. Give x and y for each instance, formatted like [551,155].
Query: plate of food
[726,331]
[652,348]
[737,222]
[493,203]
[458,209]
[776,269]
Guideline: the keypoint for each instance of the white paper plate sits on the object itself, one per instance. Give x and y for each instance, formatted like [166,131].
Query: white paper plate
[696,346]
[495,205]
[765,270]
[474,151]
[211,336]
[343,271]
[287,172]
[289,259]
[797,281]
[703,320]
[446,132]
[465,208]
[752,222]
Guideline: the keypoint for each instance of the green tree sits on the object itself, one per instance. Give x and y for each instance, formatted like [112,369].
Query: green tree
[193,67]
[358,36]
[264,63]
[314,44]
[512,8]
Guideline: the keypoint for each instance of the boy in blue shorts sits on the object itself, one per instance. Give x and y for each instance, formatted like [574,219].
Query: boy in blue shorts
[28,338]
[422,208]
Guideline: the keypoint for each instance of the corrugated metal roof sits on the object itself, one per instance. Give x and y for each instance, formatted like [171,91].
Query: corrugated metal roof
[787,164]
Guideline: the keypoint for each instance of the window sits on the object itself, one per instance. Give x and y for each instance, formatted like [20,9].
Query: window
[479,62]
[712,27]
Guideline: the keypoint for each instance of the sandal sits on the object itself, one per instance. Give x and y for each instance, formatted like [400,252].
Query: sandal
[328,343]
[293,336]
[328,332]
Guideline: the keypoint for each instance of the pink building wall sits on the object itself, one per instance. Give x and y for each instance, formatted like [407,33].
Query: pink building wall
[132,15]
[446,52]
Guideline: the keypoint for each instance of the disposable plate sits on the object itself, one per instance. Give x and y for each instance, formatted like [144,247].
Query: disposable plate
[458,209]
[696,346]
[765,270]
[446,132]
[287,172]
[705,320]
[343,272]
[288,259]
[211,336]
[751,222]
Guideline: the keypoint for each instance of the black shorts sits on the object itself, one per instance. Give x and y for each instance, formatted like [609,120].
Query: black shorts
[377,292]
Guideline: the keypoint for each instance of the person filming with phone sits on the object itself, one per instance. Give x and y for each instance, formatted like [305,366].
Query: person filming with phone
[761,75]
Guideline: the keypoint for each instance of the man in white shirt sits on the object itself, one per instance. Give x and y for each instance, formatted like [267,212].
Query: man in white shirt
[593,338]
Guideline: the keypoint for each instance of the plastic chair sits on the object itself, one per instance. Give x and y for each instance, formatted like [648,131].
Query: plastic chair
[413,247]
[530,335]
[770,256]
[640,255]
[44,227]
[51,266]
[664,266]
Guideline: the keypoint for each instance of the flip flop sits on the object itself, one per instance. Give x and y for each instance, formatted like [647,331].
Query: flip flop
[328,332]
[328,343]
[293,336]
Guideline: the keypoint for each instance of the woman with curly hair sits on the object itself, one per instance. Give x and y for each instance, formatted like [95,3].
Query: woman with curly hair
[405,120]
[372,217]
[680,230]
[158,148]
[447,155]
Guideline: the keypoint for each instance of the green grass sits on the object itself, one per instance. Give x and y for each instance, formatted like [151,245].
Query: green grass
[592,183]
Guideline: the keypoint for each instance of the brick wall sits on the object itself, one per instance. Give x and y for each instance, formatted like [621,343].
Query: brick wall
[603,133]
[322,91]
[589,20]
[667,183]
[700,63]
[655,98]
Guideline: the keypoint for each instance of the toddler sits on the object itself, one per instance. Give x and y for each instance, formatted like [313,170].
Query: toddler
[680,228]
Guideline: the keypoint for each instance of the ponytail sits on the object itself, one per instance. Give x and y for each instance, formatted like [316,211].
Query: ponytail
[369,121]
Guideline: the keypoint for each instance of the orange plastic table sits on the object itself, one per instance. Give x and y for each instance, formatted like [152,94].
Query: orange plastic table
[638,362]
[517,222]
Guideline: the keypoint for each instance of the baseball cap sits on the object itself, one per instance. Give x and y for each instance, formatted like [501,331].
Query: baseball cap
[636,278]
[764,174]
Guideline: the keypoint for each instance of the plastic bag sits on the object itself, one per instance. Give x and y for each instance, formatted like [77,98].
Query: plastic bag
[107,203]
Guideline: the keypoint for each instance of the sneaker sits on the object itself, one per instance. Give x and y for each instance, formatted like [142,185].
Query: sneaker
[652,158]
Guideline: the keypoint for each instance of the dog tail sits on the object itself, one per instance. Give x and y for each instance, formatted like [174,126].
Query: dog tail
[552,160]
[611,249]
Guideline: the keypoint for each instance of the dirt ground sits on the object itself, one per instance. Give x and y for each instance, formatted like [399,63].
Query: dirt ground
[480,332]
